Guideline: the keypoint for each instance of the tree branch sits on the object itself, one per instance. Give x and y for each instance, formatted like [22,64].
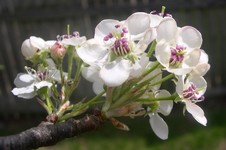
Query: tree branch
[47,134]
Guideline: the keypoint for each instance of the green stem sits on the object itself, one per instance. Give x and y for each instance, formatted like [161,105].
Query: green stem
[78,109]
[122,100]
[152,48]
[76,78]
[170,76]
[90,102]
[61,72]
[153,67]
[44,105]
[68,29]
[108,101]
[142,84]
[172,97]
[70,60]
[49,104]
[163,10]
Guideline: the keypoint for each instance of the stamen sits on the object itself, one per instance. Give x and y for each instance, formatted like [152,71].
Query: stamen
[192,94]
[177,56]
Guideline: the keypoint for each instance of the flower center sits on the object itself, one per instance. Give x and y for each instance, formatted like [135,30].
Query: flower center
[120,44]
[191,93]
[177,56]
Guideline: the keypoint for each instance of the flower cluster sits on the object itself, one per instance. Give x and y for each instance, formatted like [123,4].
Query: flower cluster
[127,61]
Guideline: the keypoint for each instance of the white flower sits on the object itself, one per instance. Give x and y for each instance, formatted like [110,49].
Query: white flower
[115,49]
[158,125]
[177,49]
[191,91]
[33,45]
[27,85]
[203,66]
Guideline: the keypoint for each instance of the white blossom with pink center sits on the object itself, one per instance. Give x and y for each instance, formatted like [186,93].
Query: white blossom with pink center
[116,47]
[177,49]
[191,90]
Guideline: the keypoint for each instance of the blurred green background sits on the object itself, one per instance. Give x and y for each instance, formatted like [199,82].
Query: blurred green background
[20,19]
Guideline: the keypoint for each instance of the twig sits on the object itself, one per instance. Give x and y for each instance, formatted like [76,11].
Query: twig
[47,134]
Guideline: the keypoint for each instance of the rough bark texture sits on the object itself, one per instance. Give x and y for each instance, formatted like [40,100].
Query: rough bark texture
[47,134]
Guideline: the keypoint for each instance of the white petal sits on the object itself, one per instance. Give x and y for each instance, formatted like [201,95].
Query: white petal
[98,86]
[104,28]
[90,52]
[139,67]
[204,58]
[162,53]
[167,30]
[180,71]
[42,84]
[137,24]
[51,63]
[196,112]
[27,50]
[190,36]
[37,42]
[74,41]
[200,69]
[142,45]
[192,58]
[166,106]
[159,126]
[155,20]
[24,92]
[180,85]
[91,73]
[49,44]
[55,75]
[116,72]
[23,80]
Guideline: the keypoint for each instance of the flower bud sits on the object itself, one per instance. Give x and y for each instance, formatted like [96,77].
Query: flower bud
[31,46]
[58,50]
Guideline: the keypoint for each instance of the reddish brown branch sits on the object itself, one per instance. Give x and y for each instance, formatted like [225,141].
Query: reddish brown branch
[47,134]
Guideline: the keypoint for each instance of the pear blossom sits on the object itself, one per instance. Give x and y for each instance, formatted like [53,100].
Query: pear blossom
[177,49]
[116,46]
[34,45]
[28,83]
[158,125]
[191,91]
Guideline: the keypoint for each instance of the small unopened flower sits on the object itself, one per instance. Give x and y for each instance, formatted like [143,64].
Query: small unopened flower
[58,51]
[34,45]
